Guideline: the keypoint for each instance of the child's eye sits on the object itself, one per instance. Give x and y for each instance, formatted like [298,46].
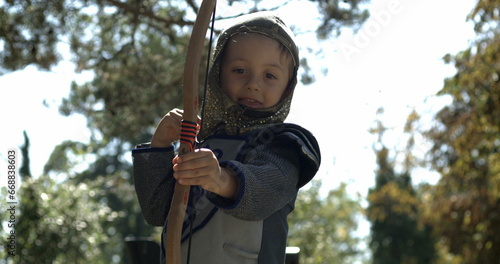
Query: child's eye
[238,70]
[270,76]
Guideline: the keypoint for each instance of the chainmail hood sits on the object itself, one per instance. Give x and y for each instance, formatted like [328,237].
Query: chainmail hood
[221,114]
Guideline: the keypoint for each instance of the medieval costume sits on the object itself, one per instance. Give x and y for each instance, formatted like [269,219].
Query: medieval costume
[270,159]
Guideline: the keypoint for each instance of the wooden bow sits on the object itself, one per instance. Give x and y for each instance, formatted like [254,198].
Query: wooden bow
[190,97]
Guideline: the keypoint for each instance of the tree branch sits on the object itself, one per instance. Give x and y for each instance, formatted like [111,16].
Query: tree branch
[193,6]
[149,14]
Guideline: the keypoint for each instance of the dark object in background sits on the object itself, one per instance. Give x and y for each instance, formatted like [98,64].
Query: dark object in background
[143,250]
[292,255]
[146,251]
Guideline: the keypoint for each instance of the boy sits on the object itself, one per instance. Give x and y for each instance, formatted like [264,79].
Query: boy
[245,176]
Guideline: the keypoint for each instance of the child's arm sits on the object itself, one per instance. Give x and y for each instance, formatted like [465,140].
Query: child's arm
[269,176]
[267,182]
[168,130]
[152,162]
[254,189]
[153,181]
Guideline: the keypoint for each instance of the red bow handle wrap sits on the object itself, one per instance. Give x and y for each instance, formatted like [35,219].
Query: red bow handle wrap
[190,85]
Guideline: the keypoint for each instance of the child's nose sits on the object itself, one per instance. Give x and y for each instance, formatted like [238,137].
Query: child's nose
[253,83]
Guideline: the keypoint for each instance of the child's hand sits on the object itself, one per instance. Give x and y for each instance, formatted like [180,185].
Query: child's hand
[201,167]
[169,129]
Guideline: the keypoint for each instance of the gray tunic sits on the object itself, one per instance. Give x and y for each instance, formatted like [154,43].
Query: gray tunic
[270,166]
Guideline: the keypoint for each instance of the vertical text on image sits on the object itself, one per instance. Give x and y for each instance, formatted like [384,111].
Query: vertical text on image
[12,183]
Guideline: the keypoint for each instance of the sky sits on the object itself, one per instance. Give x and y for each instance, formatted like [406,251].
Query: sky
[393,61]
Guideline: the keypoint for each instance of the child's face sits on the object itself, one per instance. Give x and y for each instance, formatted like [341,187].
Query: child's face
[255,71]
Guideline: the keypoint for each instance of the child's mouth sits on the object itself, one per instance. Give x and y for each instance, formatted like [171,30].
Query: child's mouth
[249,102]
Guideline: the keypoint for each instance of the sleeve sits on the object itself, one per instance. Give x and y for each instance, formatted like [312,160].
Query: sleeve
[153,181]
[271,174]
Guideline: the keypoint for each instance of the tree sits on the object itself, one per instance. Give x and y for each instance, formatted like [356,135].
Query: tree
[465,203]
[110,178]
[397,232]
[323,228]
[135,49]
[25,171]
[55,222]
[61,223]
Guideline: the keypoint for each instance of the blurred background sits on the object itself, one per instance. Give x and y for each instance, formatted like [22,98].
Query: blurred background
[403,97]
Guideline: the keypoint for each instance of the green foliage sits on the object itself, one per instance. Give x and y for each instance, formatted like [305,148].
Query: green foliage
[397,233]
[323,228]
[462,209]
[62,159]
[463,206]
[30,31]
[113,177]
[60,223]
[466,146]
[340,14]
